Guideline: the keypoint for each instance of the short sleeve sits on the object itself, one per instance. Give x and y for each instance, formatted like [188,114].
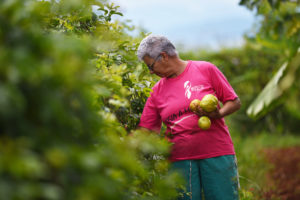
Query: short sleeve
[224,90]
[150,118]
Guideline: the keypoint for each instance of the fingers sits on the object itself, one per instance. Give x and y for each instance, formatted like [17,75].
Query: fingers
[200,112]
[213,115]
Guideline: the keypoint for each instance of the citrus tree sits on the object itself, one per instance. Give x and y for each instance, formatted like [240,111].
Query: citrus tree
[68,72]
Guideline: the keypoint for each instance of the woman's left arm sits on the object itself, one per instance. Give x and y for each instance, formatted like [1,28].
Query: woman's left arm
[229,107]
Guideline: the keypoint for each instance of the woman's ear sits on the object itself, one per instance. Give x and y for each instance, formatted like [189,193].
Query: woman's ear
[164,56]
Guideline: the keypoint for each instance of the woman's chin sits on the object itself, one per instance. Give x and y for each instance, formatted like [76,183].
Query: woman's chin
[160,75]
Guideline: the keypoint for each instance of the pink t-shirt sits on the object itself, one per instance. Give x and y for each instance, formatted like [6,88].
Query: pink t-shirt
[169,103]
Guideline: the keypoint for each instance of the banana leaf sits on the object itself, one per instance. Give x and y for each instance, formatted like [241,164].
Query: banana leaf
[275,89]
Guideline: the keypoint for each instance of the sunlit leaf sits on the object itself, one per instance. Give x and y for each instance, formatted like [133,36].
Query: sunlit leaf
[275,88]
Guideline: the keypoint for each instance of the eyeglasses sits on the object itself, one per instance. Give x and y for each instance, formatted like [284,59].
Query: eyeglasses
[151,66]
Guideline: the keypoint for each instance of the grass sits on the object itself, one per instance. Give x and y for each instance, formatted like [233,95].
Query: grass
[251,162]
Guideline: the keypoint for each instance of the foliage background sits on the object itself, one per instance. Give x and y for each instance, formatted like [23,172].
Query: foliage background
[65,79]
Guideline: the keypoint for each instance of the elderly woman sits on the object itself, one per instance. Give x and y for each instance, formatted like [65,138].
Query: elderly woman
[206,158]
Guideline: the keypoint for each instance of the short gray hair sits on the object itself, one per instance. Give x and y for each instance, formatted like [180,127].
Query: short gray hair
[153,45]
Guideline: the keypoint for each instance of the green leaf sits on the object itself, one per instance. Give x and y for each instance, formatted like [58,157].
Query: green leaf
[275,89]
[265,7]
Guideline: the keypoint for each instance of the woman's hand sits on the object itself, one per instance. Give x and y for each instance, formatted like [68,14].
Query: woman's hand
[228,108]
[212,115]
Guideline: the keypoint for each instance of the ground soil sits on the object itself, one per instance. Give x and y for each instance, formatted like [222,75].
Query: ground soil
[283,179]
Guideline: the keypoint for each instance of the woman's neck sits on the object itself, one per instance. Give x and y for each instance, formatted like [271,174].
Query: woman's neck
[178,66]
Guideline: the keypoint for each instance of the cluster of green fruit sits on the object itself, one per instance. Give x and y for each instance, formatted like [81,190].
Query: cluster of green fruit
[208,103]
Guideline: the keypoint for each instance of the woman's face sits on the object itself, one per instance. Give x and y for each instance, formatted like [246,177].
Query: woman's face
[159,65]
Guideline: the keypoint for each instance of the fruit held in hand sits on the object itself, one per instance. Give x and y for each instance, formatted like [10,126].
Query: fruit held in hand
[194,104]
[209,103]
[204,122]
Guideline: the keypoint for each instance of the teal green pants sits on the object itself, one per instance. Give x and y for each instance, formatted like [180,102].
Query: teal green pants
[216,177]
